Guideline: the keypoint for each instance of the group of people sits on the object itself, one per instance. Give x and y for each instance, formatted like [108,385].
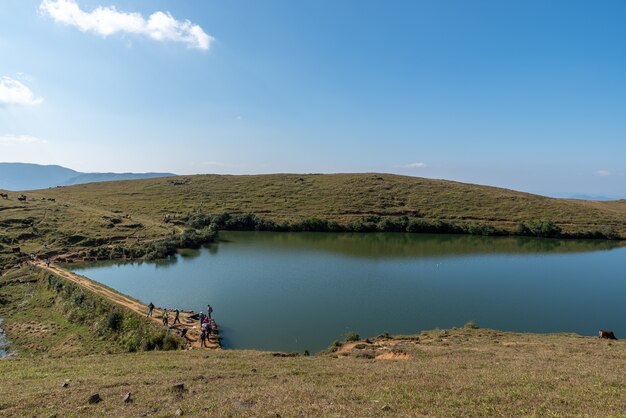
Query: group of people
[206,322]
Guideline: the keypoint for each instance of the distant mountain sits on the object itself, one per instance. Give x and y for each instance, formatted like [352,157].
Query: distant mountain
[23,176]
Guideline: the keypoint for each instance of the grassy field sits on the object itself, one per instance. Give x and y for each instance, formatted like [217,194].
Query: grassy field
[437,373]
[117,219]
[45,314]
[37,325]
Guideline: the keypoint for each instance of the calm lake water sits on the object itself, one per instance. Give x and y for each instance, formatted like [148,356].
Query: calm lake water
[297,291]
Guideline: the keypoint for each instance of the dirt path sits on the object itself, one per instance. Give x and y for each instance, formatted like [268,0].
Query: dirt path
[192,325]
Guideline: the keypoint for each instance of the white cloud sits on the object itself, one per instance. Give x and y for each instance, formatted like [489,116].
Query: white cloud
[105,21]
[415,165]
[603,173]
[9,139]
[14,92]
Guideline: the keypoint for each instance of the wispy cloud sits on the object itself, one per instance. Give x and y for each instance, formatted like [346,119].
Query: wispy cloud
[415,165]
[14,92]
[9,139]
[603,173]
[107,20]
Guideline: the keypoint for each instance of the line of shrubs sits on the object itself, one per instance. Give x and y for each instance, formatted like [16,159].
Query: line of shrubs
[375,223]
[372,223]
[547,229]
[107,320]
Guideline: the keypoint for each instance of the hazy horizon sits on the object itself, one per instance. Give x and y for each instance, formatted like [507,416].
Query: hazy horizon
[528,96]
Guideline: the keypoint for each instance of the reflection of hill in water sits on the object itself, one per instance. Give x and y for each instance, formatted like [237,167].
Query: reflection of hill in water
[398,245]
[383,245]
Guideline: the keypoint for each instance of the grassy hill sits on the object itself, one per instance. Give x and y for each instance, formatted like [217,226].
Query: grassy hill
[128,215]
[342,198]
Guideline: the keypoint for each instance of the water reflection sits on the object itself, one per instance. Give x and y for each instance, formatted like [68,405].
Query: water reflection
[399,245]
[296,291]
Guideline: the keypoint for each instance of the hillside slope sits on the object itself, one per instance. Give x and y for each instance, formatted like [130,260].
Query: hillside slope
[126,218]
[343,198]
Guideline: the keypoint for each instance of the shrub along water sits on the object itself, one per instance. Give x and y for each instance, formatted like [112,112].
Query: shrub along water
[374,223]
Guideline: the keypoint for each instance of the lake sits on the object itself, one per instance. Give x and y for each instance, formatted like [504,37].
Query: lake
[297,291]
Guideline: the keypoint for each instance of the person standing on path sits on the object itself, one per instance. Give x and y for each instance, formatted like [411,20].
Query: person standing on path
[166,318]
[176,317]
[150,309]
[203,339]
[209,310]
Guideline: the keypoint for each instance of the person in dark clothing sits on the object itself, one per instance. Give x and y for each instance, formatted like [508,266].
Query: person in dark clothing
[150,309]
[201,317]
[176,317]
[203,339]
[209,310]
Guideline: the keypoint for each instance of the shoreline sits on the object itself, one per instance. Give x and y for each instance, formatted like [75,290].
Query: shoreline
[139,308]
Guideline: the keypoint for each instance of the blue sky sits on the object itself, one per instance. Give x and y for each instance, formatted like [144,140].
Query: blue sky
[529,95]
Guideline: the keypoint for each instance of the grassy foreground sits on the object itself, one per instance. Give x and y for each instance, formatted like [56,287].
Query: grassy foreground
[442,373]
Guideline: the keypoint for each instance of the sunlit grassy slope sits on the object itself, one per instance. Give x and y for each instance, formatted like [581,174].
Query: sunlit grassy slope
[341,197]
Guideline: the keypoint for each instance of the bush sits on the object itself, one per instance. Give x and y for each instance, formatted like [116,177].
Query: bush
[352,337]
[115,321]
[336,345]
[542,229]
[471,325]
[199,221]
[170,343]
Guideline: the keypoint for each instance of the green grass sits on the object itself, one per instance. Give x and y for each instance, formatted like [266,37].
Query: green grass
[47,315]
[448,373]
[36,324]
[90,220]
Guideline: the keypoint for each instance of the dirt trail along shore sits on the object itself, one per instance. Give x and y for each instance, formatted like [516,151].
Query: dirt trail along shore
[192,325]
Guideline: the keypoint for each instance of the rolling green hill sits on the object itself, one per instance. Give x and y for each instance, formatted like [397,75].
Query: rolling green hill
[124,216]
[342,198]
